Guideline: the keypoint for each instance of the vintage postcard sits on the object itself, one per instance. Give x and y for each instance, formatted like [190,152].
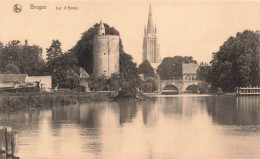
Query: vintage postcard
[129,79]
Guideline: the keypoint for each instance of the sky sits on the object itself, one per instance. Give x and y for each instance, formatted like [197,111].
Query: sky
[185,28]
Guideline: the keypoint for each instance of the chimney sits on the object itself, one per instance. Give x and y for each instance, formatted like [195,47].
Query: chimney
[26,42]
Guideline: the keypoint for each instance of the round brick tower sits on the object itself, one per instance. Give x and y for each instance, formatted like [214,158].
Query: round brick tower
[106,53]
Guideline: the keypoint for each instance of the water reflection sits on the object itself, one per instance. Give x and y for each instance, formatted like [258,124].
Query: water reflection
[150,113]
[66,114]
[171,106]
[169,127]
[231,110]
[127,110]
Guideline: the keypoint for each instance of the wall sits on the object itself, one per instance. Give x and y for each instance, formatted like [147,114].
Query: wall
[106,55]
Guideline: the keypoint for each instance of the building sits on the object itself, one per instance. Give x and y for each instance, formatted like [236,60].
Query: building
[83,76]
[45,82]
[189,71]
[150,42]
[23,82]
[106,53]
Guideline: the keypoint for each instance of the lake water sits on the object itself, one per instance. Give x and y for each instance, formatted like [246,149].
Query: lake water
[168,127]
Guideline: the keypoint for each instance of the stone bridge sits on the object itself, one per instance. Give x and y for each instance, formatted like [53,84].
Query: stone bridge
[180,86]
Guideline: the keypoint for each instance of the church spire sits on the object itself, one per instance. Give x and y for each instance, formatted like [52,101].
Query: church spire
[150,27]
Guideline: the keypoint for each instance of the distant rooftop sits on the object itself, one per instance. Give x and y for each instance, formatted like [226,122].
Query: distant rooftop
[83,73]
[190,68]
[6,78]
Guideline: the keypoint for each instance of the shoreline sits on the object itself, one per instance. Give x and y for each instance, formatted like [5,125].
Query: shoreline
[12,102]
[25,101]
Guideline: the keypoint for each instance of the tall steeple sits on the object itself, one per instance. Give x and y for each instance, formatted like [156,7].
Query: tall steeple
[150,43]
[150,27]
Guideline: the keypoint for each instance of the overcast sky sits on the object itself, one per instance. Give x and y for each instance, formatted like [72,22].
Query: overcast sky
[184,28]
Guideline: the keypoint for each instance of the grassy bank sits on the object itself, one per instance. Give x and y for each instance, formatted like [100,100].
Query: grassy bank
[10,102]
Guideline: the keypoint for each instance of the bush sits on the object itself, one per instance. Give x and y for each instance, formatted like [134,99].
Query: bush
[149,85]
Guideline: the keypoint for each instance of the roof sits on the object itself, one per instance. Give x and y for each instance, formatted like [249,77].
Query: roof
[6,78]
[83,73]
[190,68]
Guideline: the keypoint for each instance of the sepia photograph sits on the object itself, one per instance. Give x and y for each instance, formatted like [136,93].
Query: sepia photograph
[110,79]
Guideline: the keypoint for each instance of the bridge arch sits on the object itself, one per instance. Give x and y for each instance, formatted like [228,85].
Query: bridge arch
[170,89]
[193,89]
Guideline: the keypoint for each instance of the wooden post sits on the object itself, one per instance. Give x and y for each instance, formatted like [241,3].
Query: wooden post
[9,138]
[2,139]
[8,143]
[14,143]
[5,141]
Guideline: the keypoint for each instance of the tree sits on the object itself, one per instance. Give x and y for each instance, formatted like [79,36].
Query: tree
[18,58]
[12,69]
[149,85]
[54,50]
[97,83]
[171,67]
[114,82]
[146,69]
[64,71]
[1,57]
[237,62]
[31,61]
[203,72]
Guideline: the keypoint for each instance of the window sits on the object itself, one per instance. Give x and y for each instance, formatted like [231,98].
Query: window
[104,53]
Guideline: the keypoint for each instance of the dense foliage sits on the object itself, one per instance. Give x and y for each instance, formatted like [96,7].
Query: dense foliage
[64,71]
[18,58]
[54,50]
[237,62]
[146,69]
[149,85]
[171,67]
[203,72]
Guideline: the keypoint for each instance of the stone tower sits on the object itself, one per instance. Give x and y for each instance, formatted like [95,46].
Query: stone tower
[150,42]
[106,53]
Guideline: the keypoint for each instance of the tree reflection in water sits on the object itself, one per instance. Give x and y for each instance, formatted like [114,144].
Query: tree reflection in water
[231,110]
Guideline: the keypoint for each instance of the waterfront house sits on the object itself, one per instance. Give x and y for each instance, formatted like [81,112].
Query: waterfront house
[23,81]
[12,80]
